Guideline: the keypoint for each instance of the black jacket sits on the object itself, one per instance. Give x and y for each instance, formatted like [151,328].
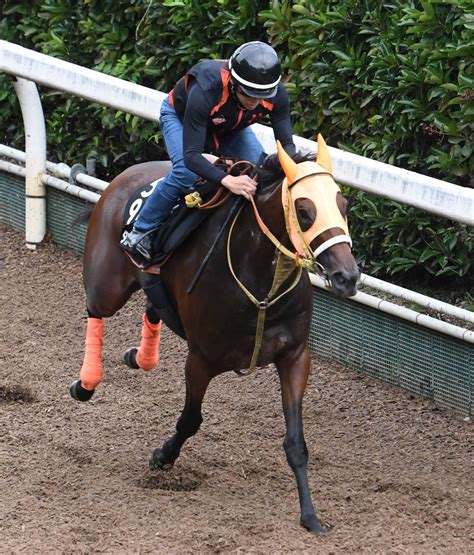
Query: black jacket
[205,102]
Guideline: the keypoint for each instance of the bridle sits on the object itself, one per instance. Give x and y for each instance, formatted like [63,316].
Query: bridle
[305,257]
[299,238]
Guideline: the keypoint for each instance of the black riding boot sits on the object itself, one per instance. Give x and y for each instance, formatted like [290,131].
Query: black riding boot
[137,242]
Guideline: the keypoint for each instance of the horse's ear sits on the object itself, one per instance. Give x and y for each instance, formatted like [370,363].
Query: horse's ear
[290,167]
[324,158]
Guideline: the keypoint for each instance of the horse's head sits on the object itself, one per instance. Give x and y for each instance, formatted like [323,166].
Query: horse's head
[316,221]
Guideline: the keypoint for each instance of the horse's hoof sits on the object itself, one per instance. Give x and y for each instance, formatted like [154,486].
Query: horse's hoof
[158,462]
[312,524]
[130,358]
[79,393]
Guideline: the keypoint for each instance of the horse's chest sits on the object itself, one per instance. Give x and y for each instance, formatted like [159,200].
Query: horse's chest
[233,349]
[273,342]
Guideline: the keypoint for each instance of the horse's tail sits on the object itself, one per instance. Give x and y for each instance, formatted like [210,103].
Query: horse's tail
[83,217]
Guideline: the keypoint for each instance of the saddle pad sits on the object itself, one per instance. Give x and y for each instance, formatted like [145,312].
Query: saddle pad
[136,202]
[171,233]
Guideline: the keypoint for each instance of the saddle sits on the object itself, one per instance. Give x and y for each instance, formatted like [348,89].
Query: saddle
[184,218]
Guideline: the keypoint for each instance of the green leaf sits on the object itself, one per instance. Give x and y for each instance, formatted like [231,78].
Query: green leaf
[449,87]
[298,8]
[341,55]
[465,81]
[427,254]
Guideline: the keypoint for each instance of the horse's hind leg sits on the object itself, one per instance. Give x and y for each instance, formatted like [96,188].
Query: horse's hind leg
[293,369]
[147,355]
[91,371]
[107,292]
[197,380]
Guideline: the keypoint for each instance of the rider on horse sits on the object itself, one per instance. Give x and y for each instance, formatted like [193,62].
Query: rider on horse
[210,109]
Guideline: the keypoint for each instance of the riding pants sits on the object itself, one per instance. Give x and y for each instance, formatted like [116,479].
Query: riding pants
[243,145]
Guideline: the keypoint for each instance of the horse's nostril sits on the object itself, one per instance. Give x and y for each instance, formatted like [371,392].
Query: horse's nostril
[345,282]
[337,278]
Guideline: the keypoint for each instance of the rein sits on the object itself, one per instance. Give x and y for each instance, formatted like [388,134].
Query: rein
[306,262]
[282,272]
[295,256]
[194,199]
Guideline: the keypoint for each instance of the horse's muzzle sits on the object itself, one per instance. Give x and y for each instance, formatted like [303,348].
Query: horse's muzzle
[344,282]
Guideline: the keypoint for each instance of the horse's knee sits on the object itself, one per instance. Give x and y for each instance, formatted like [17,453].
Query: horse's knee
[98,310]
[99,303]
[296,452]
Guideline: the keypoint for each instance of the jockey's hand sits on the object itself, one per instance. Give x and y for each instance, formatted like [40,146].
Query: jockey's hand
[240,185]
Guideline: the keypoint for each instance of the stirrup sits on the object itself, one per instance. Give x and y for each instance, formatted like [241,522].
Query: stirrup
[137,243]
[144,265]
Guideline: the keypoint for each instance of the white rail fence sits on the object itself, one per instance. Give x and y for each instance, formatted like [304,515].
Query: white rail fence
[30,67]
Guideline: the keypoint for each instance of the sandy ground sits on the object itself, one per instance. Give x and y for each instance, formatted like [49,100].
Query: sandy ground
[389,473]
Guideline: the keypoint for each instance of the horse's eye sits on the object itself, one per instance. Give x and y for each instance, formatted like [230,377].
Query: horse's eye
[306,211]
[341,203]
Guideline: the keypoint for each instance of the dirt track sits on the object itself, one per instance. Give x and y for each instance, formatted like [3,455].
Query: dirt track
[389,473]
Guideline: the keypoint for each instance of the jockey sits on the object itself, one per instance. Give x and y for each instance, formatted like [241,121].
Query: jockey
[210,109]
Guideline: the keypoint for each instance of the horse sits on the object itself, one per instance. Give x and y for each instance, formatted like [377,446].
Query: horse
[252,304]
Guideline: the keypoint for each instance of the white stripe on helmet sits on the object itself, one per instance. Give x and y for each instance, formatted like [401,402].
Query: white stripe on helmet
[254,85]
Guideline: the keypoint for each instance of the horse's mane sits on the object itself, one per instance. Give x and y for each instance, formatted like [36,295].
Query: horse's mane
[270,171]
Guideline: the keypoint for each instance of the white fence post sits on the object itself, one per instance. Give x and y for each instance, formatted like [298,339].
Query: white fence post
[35,147]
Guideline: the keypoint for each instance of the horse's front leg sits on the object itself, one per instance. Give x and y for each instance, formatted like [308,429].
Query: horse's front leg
[197,379]
[293,369]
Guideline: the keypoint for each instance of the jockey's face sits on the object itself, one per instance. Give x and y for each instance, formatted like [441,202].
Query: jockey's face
[246,102]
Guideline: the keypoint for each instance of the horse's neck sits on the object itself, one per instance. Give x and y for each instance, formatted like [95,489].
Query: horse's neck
[257,251]
[269,205]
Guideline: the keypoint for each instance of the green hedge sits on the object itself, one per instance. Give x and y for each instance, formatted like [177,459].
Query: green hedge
[389,80]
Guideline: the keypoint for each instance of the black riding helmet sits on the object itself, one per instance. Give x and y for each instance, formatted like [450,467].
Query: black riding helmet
[255,69]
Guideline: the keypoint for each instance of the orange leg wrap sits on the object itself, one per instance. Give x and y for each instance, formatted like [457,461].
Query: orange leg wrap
[91,371]
[148,352]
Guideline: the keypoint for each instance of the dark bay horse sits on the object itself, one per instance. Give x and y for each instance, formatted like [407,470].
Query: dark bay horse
[251,306]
